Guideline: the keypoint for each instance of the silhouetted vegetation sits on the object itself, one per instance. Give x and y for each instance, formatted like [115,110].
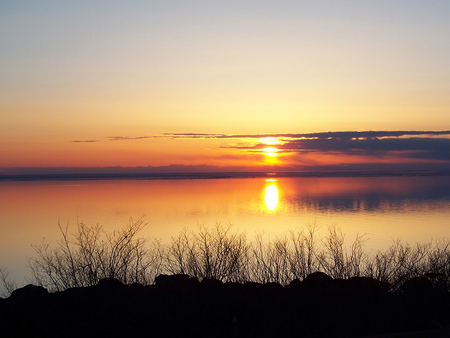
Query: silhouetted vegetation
[215,282]
[89,254]
[7,285]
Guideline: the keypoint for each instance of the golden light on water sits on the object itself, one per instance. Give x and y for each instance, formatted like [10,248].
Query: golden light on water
[271,195]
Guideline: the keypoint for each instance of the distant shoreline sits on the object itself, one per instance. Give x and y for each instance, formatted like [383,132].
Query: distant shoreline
[211,175]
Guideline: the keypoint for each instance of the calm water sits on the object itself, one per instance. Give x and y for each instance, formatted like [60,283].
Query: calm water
[415,209]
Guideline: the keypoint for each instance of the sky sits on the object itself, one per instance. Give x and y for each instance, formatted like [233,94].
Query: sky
[225,85]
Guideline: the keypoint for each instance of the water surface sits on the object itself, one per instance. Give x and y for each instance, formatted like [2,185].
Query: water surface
[412,208]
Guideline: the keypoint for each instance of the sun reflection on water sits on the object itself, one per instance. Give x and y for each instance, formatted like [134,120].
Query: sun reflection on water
[271,195]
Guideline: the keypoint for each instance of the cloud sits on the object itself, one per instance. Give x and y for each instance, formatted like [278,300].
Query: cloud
[84,141]
[199,135]
[420,145]
[427,145]
[126,138]
[116,138]
[336,136]
[369,144]
[341,135]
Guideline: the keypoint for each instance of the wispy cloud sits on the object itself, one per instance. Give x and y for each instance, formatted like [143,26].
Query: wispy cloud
[341,135]
[84,141]
[126,138]
[200,135]
[116,138]
[425,145]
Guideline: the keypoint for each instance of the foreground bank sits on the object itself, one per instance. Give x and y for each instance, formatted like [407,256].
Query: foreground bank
[180,306]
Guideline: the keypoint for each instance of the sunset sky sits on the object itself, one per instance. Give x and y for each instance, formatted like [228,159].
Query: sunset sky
[229,85]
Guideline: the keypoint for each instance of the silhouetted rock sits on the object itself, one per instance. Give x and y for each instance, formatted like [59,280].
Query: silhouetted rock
[211,284]
[110,284]
[159,279]
[368,287]
[76,293]
[317,282]
[28,292]
[136,287]
[294,285]
[253,286]
[273,287]
[178,283]
[417,286]
[341,286]
[180,306]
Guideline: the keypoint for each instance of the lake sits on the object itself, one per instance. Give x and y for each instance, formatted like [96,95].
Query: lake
[412,208]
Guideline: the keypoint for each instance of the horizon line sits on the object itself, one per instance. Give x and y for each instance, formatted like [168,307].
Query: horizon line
[218,175]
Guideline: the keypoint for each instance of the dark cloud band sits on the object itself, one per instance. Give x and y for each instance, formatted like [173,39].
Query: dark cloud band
[341,135]
[426,145]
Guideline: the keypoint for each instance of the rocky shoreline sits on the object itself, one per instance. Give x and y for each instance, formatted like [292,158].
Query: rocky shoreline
[180,306]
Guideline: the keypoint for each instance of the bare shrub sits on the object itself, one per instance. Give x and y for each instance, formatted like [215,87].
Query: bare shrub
[302,258]
[209,253]
[270,262]
[7,285]
[439,264]
[401,261]
[334,258]
[180,254]
[90,254]
[284,258]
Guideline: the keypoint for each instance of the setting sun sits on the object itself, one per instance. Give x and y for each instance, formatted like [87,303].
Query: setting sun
[270,151]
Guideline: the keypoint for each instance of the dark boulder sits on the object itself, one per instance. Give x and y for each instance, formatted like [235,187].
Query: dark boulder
[211,284]
[417,286]
[317,282]
[110,284]
[159,279]
[137,287]
[273,287]
[366,286]
[340,285]
[253,286]
[294,285]
[178,283]
[29,292]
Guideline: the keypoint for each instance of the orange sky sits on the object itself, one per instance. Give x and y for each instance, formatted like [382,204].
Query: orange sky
[94,71]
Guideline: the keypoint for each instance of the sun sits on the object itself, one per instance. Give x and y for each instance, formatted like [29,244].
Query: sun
[272,152]
[269,143]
